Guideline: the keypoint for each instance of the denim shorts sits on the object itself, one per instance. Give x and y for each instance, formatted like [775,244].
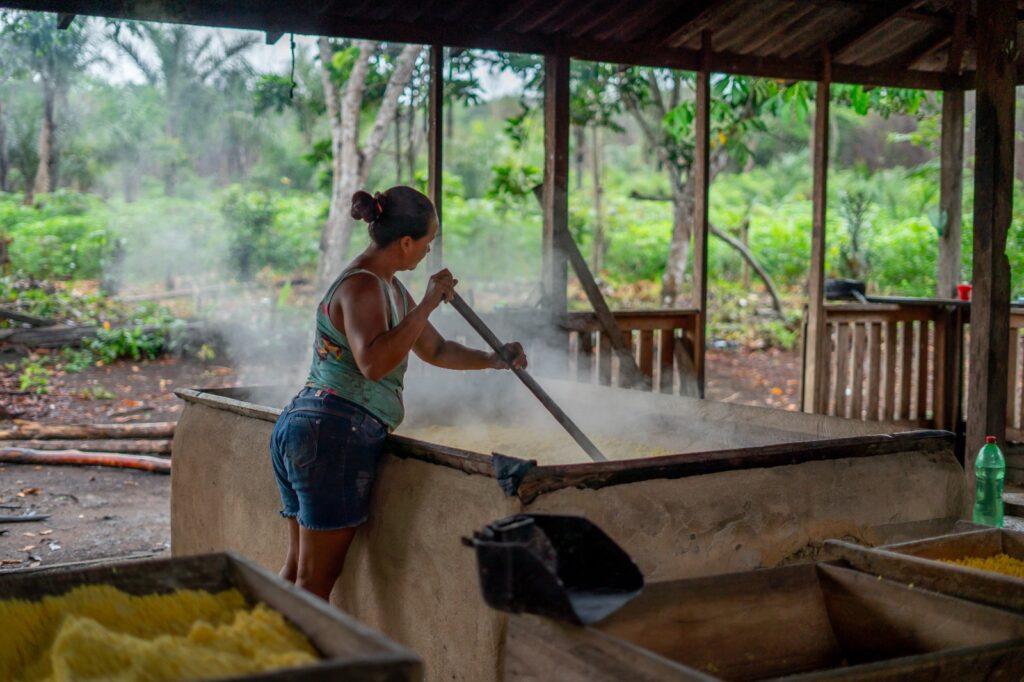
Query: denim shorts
[325,450]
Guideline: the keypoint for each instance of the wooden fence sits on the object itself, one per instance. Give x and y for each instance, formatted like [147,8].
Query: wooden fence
[661,340]
[906,362]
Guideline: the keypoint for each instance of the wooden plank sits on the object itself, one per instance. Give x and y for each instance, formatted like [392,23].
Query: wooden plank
[683,351]
[828,376]
[859,344]
[816,352]
[993,204]
[1020,385]
[666,344]
[604,360]
[890,371]
[701,201]
[647,354]
[922,370]
[940,378]
[842,376]
[585,357]
[875,371]
[545,479]
[555,196]
[950,193]
[435,149]
[1011,374]
[906,367]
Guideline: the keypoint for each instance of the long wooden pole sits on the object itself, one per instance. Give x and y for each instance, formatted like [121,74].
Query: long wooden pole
[951,185]
[993,203]
[701,200]
[560,416]
[435,146]
[555,198]
[815,349]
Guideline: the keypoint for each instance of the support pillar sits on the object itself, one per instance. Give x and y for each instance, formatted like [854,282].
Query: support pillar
[951,193]
[815,340]
[555,198]
[993,201]
[435,142]
[701,199]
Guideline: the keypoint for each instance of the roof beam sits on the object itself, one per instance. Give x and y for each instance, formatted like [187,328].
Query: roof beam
[64,21]
[875,18]
[958,44]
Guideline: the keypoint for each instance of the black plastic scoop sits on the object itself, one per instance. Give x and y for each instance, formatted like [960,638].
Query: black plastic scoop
[562,567]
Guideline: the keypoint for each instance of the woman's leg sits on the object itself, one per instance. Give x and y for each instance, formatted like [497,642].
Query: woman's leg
[321,558]
[291,562]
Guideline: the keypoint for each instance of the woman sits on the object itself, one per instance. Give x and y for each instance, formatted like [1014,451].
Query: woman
[326,443]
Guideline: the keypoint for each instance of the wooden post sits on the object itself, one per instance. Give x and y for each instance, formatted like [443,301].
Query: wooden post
[701,183]
[993,200]
[951,192]
[816,350]
[555,198]
[435,133]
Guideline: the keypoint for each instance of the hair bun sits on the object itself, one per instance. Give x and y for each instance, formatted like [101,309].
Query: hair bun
[366,207]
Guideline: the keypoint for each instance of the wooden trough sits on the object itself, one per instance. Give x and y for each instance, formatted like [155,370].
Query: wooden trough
[922,563]
[747,488]
[812,621]
[350,650]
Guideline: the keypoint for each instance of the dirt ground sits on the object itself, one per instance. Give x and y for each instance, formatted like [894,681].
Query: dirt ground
[98,512]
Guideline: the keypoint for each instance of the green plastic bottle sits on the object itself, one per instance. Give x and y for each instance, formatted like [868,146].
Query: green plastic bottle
[989,472]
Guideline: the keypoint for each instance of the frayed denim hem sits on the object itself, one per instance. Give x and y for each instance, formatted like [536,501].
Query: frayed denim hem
[354,524]
[288,515]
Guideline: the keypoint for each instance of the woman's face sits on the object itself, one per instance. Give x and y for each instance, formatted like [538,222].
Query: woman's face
[419,248]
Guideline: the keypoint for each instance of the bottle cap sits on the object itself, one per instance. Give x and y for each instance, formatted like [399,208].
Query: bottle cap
[990,439]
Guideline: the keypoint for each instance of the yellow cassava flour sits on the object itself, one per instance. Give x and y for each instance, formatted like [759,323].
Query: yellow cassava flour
[98,632]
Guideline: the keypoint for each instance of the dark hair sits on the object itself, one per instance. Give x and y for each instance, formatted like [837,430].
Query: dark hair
[399,212]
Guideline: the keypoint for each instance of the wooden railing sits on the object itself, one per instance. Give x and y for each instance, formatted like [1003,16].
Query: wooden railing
[906,362]
[661,340]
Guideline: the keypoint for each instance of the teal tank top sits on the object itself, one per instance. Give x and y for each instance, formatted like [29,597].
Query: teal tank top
[334,368]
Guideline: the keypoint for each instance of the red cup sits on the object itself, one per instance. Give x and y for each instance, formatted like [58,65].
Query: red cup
[964,291]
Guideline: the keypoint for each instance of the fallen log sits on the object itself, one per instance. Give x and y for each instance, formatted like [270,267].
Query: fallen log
[138,446]
[57,336]
[24,518]
[156,465]
[31,320]
[35,430]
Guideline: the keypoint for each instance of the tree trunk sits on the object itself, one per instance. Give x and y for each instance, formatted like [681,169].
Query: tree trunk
[351,164]
[679,247]
[4,159]
[398,146]
[745,241]
[44,171]
[600,247]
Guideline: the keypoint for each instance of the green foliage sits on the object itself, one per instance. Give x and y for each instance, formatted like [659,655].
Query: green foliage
[35,377]
[97,392]
[126,342]
[74,360]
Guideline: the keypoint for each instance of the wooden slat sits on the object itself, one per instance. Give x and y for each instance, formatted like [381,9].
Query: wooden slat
[1011,374]
[859,344]
[890,371]
[940,380]
[584,357]
[665,360]
[701,201]
[874,387]
[604,360]
[683,350]
[1020,385]
[830,368]
[906,367]
[842,378]
[873,20]
[647,354]
[922,369]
